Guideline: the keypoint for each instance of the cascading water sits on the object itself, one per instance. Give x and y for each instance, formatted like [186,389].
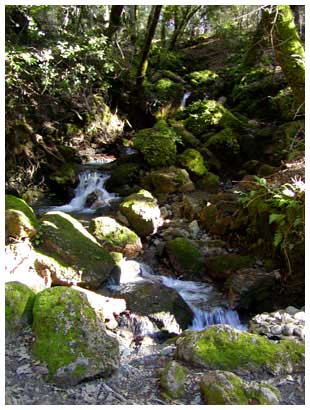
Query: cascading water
[198,296]
[184,99]
[89,182]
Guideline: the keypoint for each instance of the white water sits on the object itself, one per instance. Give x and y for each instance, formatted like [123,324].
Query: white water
[184,99]
[195,294]
[89,182]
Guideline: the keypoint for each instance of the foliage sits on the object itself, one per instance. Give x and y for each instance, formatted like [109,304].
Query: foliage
[202,78]
[284,207]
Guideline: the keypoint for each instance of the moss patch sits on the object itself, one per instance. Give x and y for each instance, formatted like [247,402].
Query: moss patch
[193,161]
[172,380]
[220,267]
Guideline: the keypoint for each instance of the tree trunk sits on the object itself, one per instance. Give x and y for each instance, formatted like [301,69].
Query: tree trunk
[289,50]
[180,27]
[115,20]
[153,20]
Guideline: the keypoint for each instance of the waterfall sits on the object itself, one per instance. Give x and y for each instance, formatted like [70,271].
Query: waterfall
[184,99]
[89,182]
[204,301]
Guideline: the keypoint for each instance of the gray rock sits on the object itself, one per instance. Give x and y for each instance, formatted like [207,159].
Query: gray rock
[288,330]
[276,330]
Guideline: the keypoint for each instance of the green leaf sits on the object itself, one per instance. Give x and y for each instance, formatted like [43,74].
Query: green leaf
[276,218]
[277,238]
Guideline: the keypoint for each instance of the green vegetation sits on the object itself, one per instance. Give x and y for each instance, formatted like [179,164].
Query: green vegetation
[193,161]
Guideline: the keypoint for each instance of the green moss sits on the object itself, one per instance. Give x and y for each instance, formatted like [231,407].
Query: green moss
[170,179]
[193,161]
[172,380]
[185,257]
[67,333]
[123,174]
[188,139]
[19,205]
[157,145]
[265,170]
[19,301]
[142,212]
[207,216]
[224,145]
[209,183]
[71,245]
[219,265]
[112,234]
[222,347]
[204,114]
[66,174]
[202,78]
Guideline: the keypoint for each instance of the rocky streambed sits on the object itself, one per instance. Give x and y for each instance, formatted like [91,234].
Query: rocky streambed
[135,312]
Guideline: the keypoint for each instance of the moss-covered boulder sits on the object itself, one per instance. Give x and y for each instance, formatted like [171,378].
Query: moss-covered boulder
[75,257]
[185,257]
[161,304]
[115,237]
[70,338]
[193,203]
[172,380]
[188,139]
[142,212]
[19,301]
[172,179]
[202,78]
[20,220]
[221,347]
[224,145]
[157,145]
[193,161]
[204,115]
[209,183]
[221,267]
[222,387]
[123,174]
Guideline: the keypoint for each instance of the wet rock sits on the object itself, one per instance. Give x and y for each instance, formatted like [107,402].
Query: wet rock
[142,212]
[70,338]
[115,237]
[162,305]
[172,179]
[221,267]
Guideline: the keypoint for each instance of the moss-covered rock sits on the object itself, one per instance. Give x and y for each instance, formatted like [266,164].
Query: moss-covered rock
[224,145]
[20,220]
[185,257]
[221,267]
[193,161]
[221,347]
[115,237]
[70,338]
[188,139]
[206,114]
[265,170]
[222,387]
[172,179]
[19,301]
[75,255]
[157,145]
[193,203]
[209,183]
[207,216]
[142,212]
[123,174]
[172,380]
[202,78]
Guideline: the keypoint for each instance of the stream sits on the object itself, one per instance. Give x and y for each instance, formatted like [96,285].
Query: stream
[208,305]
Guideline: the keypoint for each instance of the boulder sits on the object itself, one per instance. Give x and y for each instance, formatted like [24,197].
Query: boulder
[172,380]
[221,347]
[71,254]
[252,289]
[142,212]
[20,220]
[70,338]
[123,174]
[185,257]
[222,387]
[172,179]
[19,300]
[221,267]
[193,203]
[115,237]
[209,183]
[193,161]
[162,305]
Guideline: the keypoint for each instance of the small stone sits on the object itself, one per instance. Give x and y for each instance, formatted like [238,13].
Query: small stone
[288,330]
[300,316]
[194,228]
[291,310]
[276,330]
